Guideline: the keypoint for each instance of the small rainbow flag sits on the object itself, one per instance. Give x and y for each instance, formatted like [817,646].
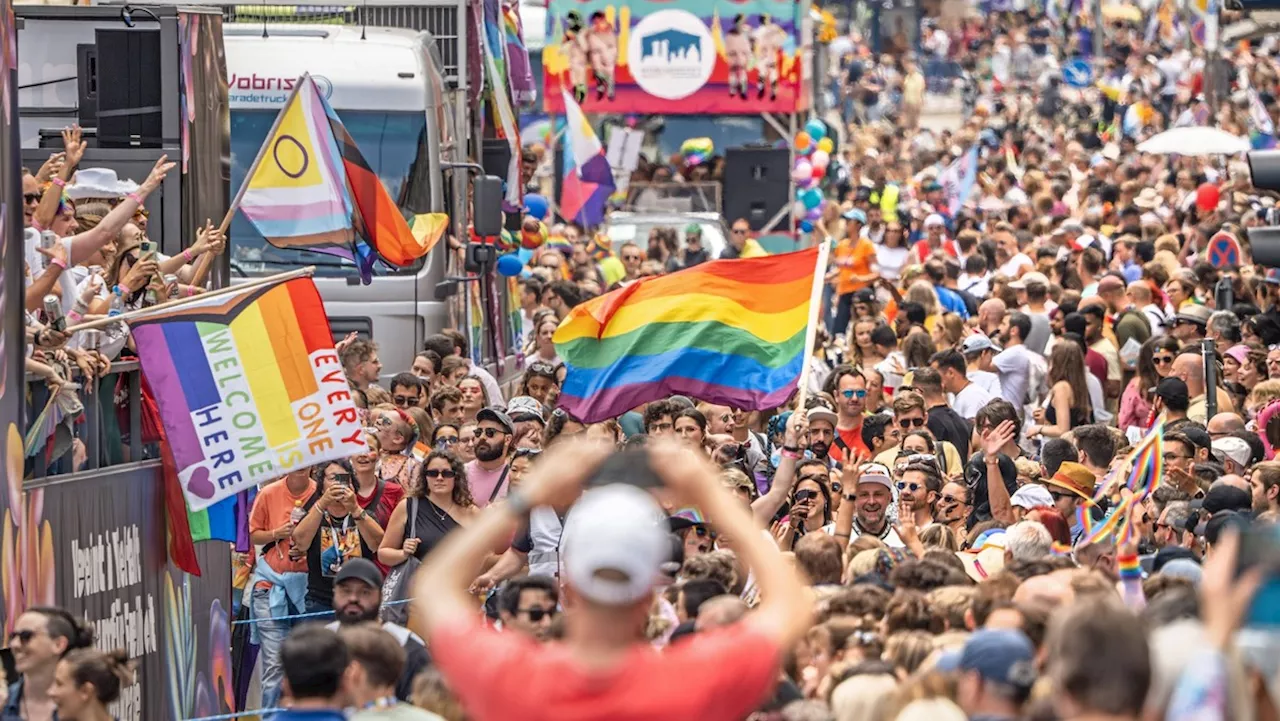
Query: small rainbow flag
[588,179]
[727,331]
[248,386]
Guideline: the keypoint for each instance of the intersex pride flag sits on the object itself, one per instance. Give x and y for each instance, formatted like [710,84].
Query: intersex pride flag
[248,386]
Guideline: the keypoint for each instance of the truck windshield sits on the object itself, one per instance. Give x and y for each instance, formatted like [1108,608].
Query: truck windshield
[390,142]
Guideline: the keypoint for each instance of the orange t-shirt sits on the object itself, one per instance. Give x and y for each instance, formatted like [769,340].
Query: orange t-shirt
[271,510]
[718,675]
[853,257]
[852,438]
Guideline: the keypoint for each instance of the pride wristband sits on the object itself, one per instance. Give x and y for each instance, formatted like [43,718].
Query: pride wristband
[1129,567]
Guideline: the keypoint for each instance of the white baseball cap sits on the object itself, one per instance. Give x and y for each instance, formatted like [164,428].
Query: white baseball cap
[614,544]
[1233,448]
[934,219]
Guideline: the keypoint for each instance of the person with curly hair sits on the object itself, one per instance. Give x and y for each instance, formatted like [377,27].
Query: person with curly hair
[441,504]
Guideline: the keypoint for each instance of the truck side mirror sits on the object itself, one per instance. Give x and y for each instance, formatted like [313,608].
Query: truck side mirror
[486,204]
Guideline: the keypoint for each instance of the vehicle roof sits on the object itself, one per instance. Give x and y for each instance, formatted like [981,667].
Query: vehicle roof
[383,72]
[663,217]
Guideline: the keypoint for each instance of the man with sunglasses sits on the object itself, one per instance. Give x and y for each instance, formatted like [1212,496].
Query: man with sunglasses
[741,244]
[407,391]
[488,473]
[849,387]
[919,485]
[529,605]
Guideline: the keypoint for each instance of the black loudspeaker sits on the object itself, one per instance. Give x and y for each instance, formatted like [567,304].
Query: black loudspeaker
[495,155]
[129,102]
[757,184]
[87,84]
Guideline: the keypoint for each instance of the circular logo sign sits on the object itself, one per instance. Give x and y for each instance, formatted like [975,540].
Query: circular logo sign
[671,54]
[325,85]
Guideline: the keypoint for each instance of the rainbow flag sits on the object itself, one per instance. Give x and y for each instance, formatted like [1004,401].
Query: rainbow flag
[248,387]
[727,331]
[296,191]
[588,179]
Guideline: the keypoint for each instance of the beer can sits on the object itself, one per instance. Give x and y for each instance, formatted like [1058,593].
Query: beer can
[53,313]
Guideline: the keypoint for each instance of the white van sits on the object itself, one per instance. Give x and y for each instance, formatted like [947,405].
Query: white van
[389,92]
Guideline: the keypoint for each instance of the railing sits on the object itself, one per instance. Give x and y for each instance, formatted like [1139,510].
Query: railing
[100,428]
[692,197]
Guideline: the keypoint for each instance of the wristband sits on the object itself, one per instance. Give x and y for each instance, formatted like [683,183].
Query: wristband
[74,317]
[118,290]
[59,182]
[788,453]
[58,262]
[135,198]
[1129,567]
[186,255]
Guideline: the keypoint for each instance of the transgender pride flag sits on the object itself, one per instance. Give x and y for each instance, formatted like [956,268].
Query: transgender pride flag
[588,179]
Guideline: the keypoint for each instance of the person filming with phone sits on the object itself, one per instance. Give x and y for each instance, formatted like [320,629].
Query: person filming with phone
[334,529]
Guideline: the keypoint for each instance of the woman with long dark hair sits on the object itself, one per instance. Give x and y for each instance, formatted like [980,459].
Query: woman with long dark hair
[1155,361]
[40,638]
[441,503]
[1068,404]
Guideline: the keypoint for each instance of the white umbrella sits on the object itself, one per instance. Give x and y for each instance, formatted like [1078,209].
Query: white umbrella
[1194,141]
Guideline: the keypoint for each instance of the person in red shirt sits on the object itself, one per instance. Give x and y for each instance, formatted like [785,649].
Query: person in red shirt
[612,550]
[849,387]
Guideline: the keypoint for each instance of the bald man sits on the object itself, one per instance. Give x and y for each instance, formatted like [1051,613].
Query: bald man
[1139,293]
[1224,424]
[1190,368]
[990,313]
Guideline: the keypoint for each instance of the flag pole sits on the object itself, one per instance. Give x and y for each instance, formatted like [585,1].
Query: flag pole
[126,317]
[206,260]
[815,309]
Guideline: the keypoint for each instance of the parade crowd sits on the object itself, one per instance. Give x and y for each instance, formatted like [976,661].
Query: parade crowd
[909,538]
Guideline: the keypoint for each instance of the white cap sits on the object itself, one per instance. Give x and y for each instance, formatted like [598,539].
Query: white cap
[1234,448]
[614,544]
[934,219]
[1032,496]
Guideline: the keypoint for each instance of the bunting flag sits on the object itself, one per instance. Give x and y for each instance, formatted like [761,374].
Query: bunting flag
[295,193]
[725,331]
[508,129]
[248,386]
[588,179]
[1262,129]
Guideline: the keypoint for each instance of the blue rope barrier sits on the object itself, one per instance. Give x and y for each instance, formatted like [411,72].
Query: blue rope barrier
[239,714]
[313,614]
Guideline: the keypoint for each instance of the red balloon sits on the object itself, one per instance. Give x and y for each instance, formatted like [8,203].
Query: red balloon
[818,173]
[1207,196]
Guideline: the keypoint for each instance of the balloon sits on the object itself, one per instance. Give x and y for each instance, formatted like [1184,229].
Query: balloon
[818,172]
[507,241]
[821,159]
[800,208]
[509,266]
[533,233]
[803,141]
[806,226]
[1207,196]
[816,129]
[811,198]
[802,172]
[814,215]
[536,205]
[826,145]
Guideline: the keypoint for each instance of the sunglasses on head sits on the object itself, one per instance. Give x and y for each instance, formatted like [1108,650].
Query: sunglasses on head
[439,473]
[854,393]
[911,423]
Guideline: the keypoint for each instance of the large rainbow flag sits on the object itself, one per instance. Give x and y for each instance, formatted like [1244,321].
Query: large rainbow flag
[249,386]
[727,331]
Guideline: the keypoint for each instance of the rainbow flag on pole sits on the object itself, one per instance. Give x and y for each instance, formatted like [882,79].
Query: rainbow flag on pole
[727,331]
[588,179]
[248,386]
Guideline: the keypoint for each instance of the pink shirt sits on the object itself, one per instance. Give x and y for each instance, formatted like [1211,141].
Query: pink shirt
[483,482]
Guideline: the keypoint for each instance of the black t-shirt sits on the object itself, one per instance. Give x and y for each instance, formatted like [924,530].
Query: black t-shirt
[975,475]
[324,556]
[947,425]
[416,661]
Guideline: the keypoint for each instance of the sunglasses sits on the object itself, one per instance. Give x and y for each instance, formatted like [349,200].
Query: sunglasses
[23,636]
[1162,359]
[911,423]
[490,432]
[31,197]
[854,393]
[739,231]
[904,486]
[537,614]
[439,473]
[950,500]
[703,532]
[404,400]
[446,441]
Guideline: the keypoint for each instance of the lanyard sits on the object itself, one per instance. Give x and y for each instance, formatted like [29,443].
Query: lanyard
[380,703]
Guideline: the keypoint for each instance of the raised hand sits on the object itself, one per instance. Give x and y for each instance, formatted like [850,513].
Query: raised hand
[51,167]
[995,439]
[74,144]
[158,172]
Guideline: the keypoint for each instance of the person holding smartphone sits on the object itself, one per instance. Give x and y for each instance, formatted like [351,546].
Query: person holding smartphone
[334,529]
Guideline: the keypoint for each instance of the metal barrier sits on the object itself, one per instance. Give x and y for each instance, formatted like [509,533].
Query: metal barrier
[99,427]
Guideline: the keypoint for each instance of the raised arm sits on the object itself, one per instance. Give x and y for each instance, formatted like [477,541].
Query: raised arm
[84,245]
[793,443]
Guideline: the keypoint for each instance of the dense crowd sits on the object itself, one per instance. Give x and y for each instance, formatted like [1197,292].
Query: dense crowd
[911,537]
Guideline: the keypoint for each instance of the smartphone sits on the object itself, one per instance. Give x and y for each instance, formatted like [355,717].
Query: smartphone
[343,478]
[146,249]
[631,467]
[1260,546]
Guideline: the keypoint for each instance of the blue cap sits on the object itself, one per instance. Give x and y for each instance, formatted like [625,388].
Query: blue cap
[1000,655]
[855,214]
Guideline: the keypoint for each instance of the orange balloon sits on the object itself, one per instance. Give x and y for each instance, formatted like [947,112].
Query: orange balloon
[803,140]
